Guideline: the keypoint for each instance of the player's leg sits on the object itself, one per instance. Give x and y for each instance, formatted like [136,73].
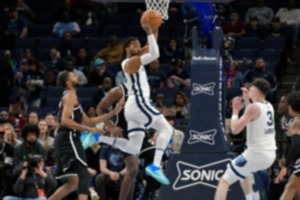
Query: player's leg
[127,186]
[222,189]
[247,187]
[83,182]
[165,132]
[291,188]
[67,188]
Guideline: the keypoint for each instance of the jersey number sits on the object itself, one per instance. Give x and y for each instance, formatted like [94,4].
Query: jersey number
[270,121]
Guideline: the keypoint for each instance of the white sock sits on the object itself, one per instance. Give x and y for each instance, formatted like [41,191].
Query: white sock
[249,196]
[161,144]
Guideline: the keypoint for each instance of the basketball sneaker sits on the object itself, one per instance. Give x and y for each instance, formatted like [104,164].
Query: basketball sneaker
[157,174]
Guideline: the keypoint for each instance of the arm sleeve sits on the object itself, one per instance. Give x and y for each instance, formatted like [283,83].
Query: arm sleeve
[153,51]
[293,152]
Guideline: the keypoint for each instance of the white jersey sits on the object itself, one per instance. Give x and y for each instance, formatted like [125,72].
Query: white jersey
[261,132]
[137,83]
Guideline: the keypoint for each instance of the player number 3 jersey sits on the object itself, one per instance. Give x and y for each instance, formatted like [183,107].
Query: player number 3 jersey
[261,132]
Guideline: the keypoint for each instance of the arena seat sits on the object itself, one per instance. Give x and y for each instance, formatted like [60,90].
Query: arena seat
[108,31]
[277,43]
[97,43]
[272,56]
[29,43]
[253,43]
[47,43]
[90,31]
[168,92]
[117,19]
[41,31]
[86,92]
[243,53]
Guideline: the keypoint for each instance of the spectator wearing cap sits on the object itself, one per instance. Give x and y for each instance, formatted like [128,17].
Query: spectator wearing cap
[65,25]
[14,27]
[6,82]
[113,53]
[276,29]
[33,83]
[254,29]
[178,77]
[6,165]
[263,13]
[171,51]
[30,146]
[96,77]
[70,66]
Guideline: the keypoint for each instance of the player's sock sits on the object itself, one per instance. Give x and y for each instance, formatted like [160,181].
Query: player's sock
[249,196]
[162,142]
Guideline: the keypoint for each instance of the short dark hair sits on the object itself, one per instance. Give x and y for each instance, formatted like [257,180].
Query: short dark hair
[294,101]
[62,79]
[262,85]
[30,128]
[127,41]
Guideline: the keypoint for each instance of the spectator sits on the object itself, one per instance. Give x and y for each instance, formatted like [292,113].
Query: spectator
[91,110]
[6,165]
[89,17]
[172,51]
[113,169]
[64,25]
[33,82]
[83,61]
[25,11]
[56,63]
[6,82]
[71,67]
[160,102]
[51,123]
[276,29]
[44,136]
[33,182]
[181,107]
[113,53]
[33,118]
[178,77]
[234,80]
[290,16]
[8,57]
[20,71]
[120,78]
[16,113]
[10,135]
[13,28]
[156,77]
[263,13]
[235,26]
[260,72]
[27,54]
[92,155]
[67,48]
[103,90]
[3,117]
[29,146]
[96,77]
[253,29]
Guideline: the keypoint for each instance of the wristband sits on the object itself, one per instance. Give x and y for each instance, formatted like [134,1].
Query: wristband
[234,117]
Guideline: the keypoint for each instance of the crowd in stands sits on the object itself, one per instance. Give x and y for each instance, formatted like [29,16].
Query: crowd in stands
[41,39]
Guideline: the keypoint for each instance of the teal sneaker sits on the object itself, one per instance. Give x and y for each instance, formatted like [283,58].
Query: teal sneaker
[157,174]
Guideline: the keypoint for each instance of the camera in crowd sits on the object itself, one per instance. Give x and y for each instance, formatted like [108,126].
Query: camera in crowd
[33,160]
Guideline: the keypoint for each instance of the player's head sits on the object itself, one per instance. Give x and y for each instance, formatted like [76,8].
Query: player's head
[259,88]
[68,80]
[132,46]
[283,106]
[294,103]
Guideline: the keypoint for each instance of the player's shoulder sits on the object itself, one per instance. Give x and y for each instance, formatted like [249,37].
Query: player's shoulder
[124,63]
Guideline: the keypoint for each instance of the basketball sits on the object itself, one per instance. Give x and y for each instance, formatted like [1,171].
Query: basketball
[155,18]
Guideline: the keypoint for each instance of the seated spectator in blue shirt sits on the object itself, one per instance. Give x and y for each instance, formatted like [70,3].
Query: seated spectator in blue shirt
[178,77]
[171,51]
[61,27]
[156,77]
[112,169]
[260,71]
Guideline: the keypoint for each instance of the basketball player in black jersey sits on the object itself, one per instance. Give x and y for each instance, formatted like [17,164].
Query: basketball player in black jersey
[119,129]
[70,155]
[293,155]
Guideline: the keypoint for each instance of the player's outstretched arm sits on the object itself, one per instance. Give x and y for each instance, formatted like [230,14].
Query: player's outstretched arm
[134,63]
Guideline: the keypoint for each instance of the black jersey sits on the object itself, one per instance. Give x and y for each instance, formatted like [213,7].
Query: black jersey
[76,115]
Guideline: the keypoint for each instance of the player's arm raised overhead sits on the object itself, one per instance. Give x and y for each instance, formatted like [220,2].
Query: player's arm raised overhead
[252,112]
[134,62]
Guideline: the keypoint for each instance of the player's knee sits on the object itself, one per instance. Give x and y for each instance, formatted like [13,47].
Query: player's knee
[229,177]
[84,178]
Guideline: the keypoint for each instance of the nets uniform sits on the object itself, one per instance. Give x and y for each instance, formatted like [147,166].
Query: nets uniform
[68,148]
[261,146]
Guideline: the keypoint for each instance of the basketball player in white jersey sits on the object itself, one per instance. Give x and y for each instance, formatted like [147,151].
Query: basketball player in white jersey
[139,112]
[261,146]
